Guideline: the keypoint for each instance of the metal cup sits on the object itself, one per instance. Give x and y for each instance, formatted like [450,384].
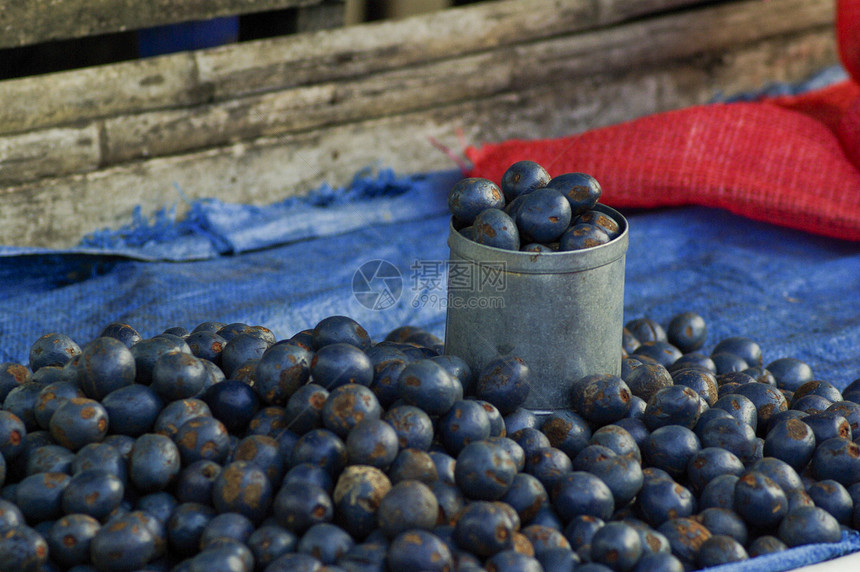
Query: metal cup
[562,312]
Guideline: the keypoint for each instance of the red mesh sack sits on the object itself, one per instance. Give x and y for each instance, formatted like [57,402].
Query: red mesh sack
[792,161]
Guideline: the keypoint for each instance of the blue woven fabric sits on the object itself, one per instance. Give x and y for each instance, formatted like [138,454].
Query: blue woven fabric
[285,266]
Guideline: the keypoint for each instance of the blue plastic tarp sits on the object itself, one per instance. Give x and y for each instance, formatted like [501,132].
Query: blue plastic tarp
[289,265]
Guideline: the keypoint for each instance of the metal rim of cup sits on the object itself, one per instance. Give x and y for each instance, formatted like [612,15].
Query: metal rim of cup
[545,262]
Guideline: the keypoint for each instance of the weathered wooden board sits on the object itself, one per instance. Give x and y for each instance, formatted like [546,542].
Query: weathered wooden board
[59,210]
[24,22]
[417,86]
[279,63]
[287,62]
[711,30]
[63,98]
[50,152]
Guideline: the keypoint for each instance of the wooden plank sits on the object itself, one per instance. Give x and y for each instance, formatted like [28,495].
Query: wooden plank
[60,99]
[301,59]
[612,11]
[160,133]
[355,51]
[783,60]
[447,81]
[272,168]
[51,152]
[24,22]
[327,15]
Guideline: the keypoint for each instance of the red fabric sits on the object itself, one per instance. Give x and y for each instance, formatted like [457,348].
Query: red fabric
[792,161]
[848,35]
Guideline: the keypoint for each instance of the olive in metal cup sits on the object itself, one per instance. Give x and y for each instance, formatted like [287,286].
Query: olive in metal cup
[562,312]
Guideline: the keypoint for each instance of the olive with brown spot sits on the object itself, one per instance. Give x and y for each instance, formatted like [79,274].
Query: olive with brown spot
[687,331]
[39,497]
[282,369]
[493,227]
[126,542]
[543,216]
[709,463]
[106,364]
[194,483]
[601,398]
[53,349]
[22,548]
[269,542]
[348,405]
[464,423]
[526,495]
[94,492]
[548,465]
[513,560]
[484,529]
[264,452]
[79,421]
[271,421]
[792,441]
[50,398]
[206,345]
[12,434]
[408,505]
[686,537]
[472,195]
[326,542]
[505,382]
[662,498]
[243,487]
[372,442]
[427,385]
[357,495]
[566,431]
[202,438]
[828,424]
[419,550]
[298,506]
[11,376]
[154,462]
[304,407]
[69,539]
[759,500]
[581,190]
[175,413]
[322,448]
[413,426]
[616,545]
[484,471]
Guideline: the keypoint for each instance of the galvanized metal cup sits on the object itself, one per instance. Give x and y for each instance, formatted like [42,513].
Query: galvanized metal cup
[562,312]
